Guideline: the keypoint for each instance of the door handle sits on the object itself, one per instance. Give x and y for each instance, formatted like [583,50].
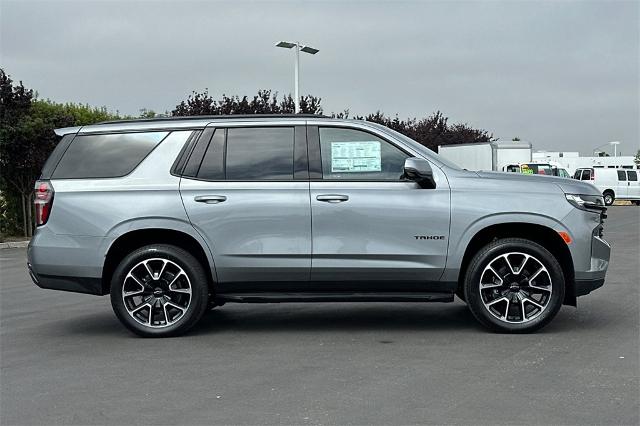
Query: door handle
[210,199]
[332,198]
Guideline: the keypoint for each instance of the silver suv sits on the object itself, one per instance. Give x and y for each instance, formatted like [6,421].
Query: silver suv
[176,216]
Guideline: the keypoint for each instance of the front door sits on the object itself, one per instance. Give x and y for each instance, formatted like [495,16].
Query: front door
[370,227]
[246,190]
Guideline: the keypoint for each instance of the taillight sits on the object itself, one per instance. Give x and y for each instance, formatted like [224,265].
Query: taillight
[43,201]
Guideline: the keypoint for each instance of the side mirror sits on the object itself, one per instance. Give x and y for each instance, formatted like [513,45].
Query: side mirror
[419,171]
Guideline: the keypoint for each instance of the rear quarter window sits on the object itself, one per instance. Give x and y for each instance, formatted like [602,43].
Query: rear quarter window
[107,155]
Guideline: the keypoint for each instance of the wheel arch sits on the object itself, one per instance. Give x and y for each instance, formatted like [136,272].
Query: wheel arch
[541,234]
[128,241]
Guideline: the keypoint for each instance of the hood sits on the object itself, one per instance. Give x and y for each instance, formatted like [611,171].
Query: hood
[567,185]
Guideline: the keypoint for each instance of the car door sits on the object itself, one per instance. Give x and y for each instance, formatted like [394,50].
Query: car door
[633,186]
[622,190]
[245,189]
[369,225]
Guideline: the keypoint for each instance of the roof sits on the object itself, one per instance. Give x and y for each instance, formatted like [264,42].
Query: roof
[213,117]
[177,123]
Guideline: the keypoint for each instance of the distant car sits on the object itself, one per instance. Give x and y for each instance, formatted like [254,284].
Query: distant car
[621,184]
[174,216]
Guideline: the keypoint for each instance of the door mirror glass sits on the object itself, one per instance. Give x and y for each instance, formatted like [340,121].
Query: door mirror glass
[419,171]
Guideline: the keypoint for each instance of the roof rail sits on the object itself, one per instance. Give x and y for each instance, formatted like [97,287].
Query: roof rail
[213,117]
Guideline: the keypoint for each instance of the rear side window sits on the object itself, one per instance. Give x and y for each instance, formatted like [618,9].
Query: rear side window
[56,154]
[259,153]
[106,156]
[633,176]
[622,175]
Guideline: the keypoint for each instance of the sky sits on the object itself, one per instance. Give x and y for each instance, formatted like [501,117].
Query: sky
[563,75]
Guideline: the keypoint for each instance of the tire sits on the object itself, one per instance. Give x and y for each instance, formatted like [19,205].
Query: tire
[167,291]
[609,198]
[505,292]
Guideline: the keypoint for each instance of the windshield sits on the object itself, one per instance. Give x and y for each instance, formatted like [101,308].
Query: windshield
[420,148]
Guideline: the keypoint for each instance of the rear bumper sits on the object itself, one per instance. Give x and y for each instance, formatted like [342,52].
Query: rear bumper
[85,285]
[65,262]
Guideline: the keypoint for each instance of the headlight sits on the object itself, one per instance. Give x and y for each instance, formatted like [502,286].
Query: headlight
[586,202]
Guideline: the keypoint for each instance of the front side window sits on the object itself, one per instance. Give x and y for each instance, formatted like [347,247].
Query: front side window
[106,156]
[632,176]
[586,175]
[349,154]
[260,153]
[622,176]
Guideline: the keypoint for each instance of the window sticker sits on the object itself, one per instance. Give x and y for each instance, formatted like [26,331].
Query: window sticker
[355,156]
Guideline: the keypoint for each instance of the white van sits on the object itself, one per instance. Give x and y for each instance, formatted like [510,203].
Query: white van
[621,184]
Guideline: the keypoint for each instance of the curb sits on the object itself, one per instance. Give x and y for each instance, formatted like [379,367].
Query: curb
[14,244]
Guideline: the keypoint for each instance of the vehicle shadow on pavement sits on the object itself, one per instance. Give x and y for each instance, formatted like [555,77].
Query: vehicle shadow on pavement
[337,317]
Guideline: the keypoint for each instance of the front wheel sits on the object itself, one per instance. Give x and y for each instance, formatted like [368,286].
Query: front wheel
[159,290]
[514,285]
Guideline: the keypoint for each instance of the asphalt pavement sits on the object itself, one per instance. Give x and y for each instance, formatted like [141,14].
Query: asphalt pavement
[65,359]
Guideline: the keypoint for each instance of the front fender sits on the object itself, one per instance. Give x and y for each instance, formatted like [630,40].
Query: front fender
[462,236]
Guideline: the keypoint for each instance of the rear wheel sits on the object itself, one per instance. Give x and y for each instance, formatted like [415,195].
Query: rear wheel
[159,290]
[609,198]
[514,286]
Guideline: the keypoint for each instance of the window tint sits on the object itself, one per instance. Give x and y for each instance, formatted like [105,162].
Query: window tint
[260,153]
[577,174]
[102,156]
[586,174]
[212,167]
[54,157]
[349,154]
[622,175]
[633,176]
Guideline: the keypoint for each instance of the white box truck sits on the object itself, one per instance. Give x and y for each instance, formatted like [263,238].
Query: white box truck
[499,156]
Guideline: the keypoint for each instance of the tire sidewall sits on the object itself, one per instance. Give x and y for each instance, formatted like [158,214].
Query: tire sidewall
[610,197]
[195,273]
[490,252]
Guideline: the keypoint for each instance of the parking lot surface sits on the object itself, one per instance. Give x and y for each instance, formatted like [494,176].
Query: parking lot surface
[65,359]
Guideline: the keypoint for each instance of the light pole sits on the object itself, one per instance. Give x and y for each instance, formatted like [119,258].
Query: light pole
[614,143]
[299,47]
[615,147]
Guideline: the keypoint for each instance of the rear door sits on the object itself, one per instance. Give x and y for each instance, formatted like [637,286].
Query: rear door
[622,190]
[633,186]
[245,189]
[370,227]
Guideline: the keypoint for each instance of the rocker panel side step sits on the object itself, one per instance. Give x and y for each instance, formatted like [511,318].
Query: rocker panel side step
[265,297]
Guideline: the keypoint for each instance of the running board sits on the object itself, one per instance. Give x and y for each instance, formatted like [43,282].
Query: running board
[333,297]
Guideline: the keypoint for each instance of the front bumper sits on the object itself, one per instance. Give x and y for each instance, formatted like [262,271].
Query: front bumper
[584,287]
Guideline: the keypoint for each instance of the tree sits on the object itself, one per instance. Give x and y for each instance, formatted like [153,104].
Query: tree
[265,102]
[516,139]
[637,159]
[431,131]
[27,139]
[15,104]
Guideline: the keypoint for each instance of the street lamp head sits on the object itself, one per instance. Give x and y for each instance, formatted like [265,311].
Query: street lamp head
[614,143]
[285,44]
[306,49]
[309,49]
